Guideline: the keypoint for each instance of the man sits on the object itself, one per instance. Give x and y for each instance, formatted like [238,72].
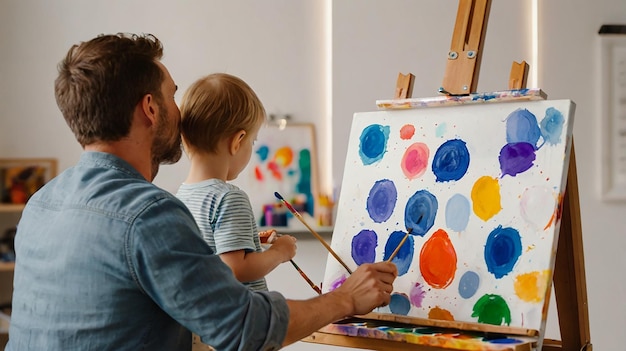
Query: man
[107,260]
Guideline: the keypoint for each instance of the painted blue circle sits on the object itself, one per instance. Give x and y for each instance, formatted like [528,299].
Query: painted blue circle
[399,304]
[404,257]
[420,212]
[522,127]
[502,250]
[382,200]
[364,247]
[451,160]
[458,210]
[468,284]
[373,143]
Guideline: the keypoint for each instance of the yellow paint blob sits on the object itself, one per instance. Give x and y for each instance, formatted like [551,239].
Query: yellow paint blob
[531,287]
[486,197]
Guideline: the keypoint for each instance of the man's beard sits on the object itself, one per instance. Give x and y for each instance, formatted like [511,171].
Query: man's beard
[167,145]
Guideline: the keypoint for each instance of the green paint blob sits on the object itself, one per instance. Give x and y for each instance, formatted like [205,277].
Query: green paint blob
[492,309]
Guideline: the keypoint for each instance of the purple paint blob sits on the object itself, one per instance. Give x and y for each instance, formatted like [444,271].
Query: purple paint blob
[451,160]
[420,212]
[364,247]
[338,282]
[502,250]
[522,127]
[399,304]
[404,257]
[373,143]
[382,200]
[417,295]
[516,158]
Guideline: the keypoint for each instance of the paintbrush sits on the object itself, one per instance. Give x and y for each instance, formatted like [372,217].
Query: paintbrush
[299,217]
[308,280]
[268,237]
[395,252]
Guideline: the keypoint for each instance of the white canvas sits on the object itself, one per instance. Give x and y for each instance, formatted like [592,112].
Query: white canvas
[479,186]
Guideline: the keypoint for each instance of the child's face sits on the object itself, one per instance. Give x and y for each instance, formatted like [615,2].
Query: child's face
[245,152]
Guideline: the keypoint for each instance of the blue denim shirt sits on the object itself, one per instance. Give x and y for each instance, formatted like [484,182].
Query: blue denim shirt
[105,260]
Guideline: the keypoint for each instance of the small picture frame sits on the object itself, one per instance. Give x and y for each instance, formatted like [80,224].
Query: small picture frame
[20,178]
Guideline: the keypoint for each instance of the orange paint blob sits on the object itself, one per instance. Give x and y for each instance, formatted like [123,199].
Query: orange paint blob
[531,287]
[438,260]
[486,197]
[440,313]
[407,131]
[283,156]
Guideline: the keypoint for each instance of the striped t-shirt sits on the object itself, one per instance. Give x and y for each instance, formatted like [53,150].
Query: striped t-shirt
[224,215]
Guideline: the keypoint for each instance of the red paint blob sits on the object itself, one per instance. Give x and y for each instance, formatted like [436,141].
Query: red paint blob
[407,131]
[415,160]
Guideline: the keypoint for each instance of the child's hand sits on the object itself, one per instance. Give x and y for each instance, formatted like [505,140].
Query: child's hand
[285,245]
[268,236]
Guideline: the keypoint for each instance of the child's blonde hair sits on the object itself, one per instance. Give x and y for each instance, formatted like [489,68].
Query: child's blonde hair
[218,106]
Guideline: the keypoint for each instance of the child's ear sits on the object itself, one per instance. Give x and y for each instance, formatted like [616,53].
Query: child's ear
[236,141]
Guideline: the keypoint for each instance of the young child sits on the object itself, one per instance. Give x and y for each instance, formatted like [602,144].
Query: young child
[220,119]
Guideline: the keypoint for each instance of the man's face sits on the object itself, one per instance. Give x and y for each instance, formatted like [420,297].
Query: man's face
[166,147]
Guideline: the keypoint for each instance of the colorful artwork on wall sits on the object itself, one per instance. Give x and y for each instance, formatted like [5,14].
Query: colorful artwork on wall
[284,160]
[477,187]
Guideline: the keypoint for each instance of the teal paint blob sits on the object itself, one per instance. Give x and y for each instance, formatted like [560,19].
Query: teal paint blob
[552,126]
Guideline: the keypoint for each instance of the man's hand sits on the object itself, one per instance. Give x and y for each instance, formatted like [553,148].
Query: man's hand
[370,286]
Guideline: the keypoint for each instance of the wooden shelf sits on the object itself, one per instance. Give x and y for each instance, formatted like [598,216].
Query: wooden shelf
[9,208]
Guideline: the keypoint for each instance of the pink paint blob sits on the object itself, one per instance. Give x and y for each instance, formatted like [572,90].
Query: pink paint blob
[415,160]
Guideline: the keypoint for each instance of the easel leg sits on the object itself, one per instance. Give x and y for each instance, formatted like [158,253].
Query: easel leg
[570,286]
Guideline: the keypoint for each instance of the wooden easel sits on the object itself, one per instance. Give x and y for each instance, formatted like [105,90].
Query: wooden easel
[569,279]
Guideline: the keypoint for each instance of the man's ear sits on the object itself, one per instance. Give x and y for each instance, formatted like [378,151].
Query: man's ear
[148,107]
[236,140]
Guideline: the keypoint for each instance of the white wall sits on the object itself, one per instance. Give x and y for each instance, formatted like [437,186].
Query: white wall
[278,47]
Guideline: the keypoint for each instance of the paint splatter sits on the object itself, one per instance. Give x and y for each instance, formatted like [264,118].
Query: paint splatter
[468,284]
[263,152]
[552,126]
[522,127]
[516,158]
[382,200]
[417,295]
[457,212]
[373,143]
[535,209]
[415,160]
[407,131]
[404,257]
[492,309]
[451,160]
[438,260]
[283,156]
[420,212]
[486,198]
[532,287]
[364,247]
[440,314]
[399,304]
[441,130]
[274,170]
[502,250]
